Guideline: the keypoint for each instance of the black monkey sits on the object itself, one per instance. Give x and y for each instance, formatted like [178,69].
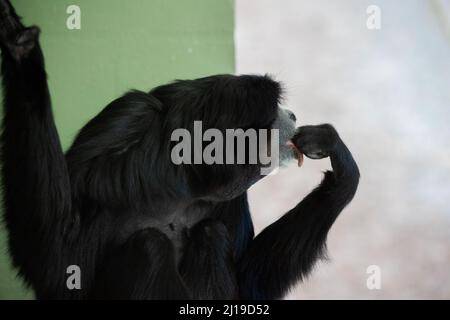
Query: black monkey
[137,225]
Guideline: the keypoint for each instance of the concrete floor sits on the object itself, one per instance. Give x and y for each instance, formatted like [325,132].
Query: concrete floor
[387,93]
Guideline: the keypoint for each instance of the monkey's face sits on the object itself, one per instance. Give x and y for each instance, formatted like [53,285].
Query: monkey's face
[225,132]
[285,123]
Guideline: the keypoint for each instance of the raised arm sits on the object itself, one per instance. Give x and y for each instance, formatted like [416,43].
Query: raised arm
[285,251]
[34,172]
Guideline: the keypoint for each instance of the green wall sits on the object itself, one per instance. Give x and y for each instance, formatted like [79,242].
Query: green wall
[122,45]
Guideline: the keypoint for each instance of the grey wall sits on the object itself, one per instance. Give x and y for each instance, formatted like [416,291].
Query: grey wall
[387,93]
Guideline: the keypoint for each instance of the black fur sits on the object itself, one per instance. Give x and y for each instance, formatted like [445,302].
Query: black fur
[139,226]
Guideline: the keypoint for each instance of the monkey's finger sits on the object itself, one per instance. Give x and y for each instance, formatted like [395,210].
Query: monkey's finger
[297,153]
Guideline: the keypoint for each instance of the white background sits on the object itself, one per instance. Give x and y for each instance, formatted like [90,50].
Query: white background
[388,94]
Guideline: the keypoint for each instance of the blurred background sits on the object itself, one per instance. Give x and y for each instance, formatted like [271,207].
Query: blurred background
[386,90]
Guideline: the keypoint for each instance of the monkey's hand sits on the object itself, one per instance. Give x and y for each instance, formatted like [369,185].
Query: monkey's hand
[10,24]
[14,36]
[316,142]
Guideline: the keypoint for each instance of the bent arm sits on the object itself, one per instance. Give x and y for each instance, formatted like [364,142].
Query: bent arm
[285,251]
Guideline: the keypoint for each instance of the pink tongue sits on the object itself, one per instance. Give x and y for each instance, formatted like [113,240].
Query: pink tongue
[297,152]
